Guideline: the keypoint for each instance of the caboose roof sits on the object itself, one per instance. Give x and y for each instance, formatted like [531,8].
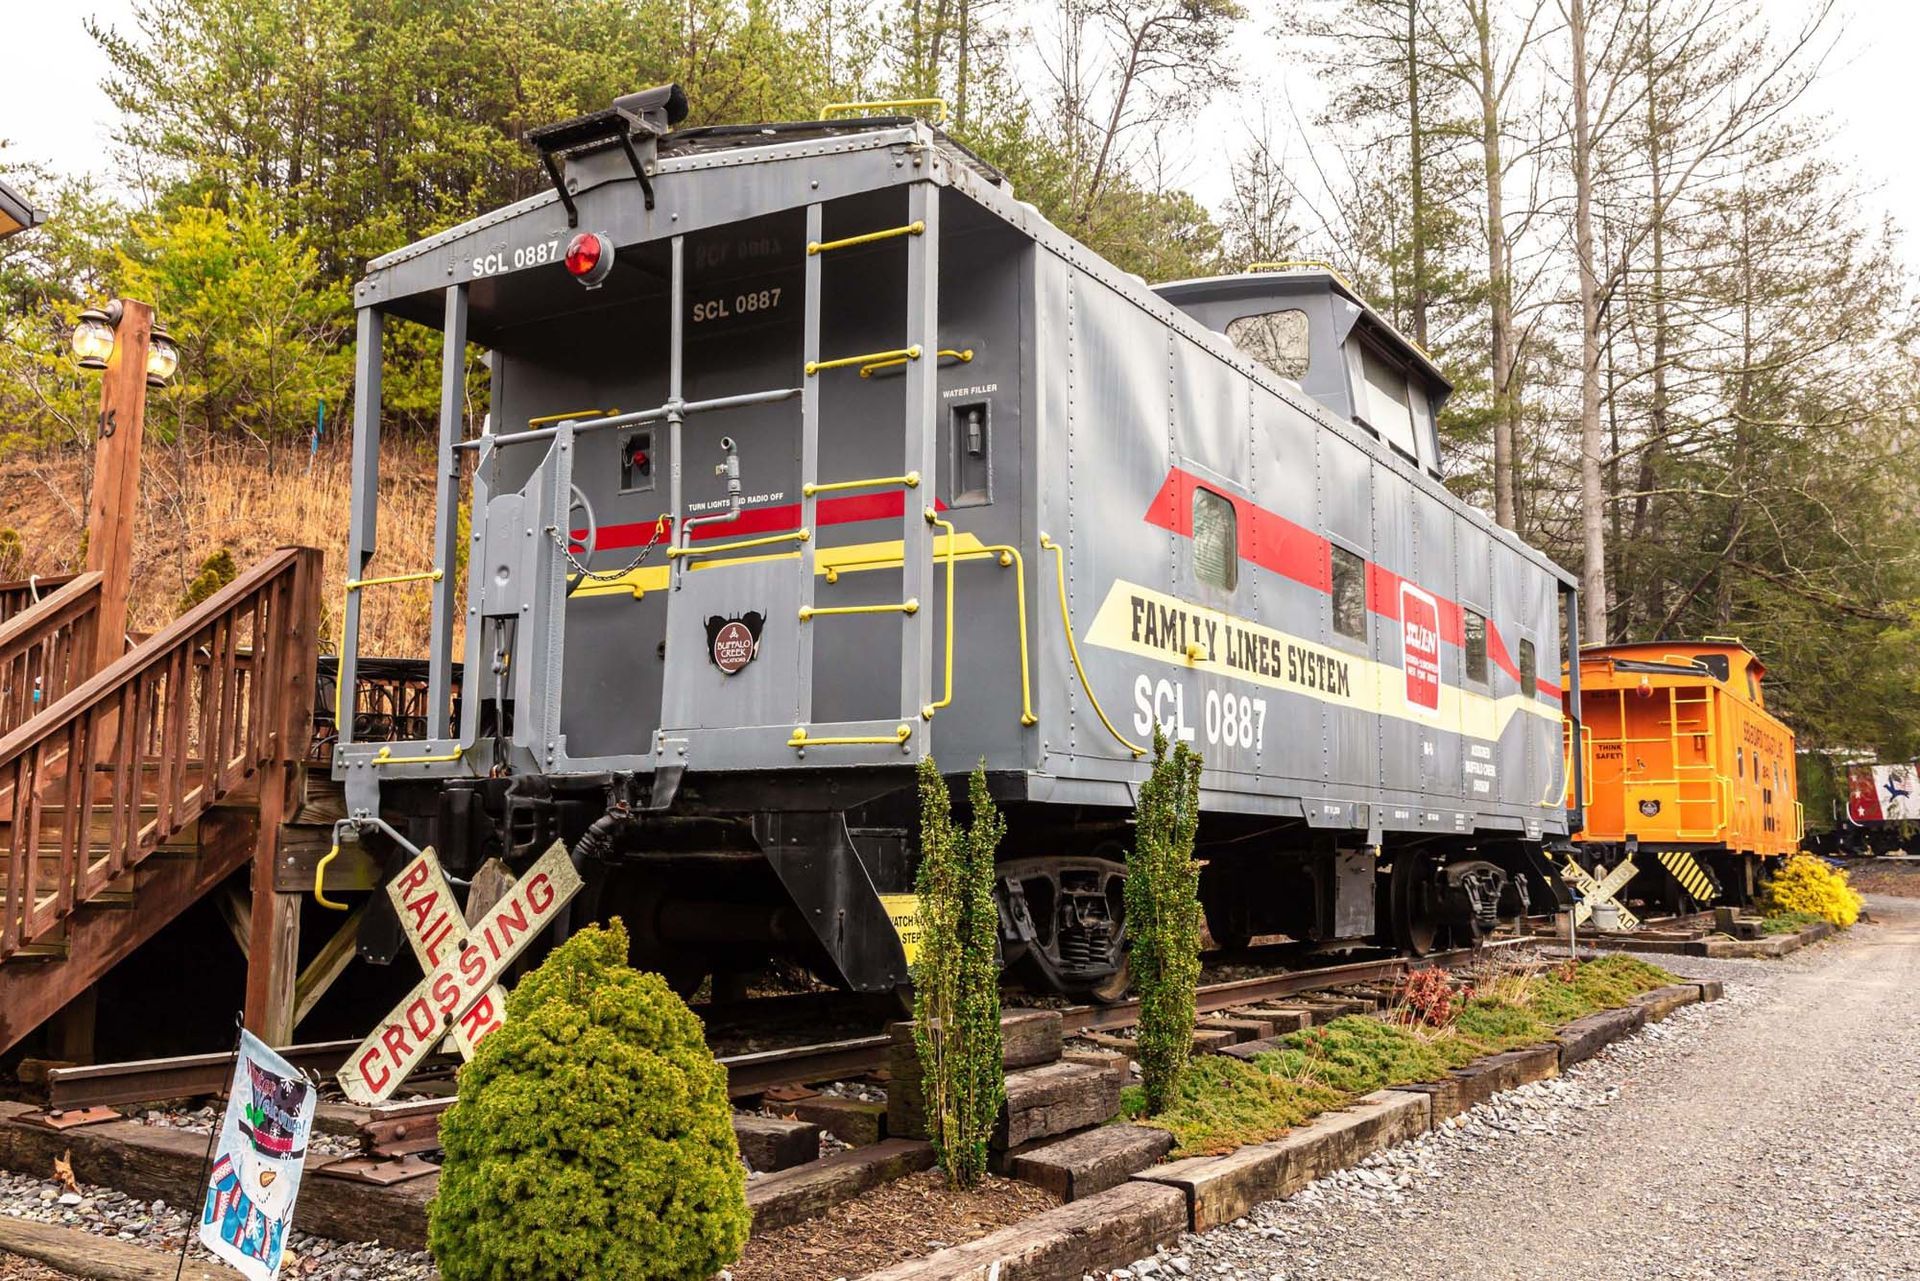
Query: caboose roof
[711,177]
[1678,653]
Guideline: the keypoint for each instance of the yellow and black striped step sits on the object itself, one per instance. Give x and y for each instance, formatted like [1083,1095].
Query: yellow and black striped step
[1693,878]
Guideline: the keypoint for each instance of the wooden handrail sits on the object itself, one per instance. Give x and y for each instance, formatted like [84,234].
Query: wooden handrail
[109,772]
[47,649]
[24,593]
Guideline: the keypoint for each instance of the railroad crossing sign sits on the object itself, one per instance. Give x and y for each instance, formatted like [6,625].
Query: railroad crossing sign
[460,995]
[431,917]
[1593,893]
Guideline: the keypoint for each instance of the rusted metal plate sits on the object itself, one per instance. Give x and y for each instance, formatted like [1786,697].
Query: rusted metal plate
[381,1173]
[68,1120]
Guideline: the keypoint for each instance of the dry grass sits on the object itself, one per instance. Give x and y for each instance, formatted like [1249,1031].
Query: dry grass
[194,504]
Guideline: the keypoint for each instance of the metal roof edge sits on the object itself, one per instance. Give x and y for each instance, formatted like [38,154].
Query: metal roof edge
[1026,217]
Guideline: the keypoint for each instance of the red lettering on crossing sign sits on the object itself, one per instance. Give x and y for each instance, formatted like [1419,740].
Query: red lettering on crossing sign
[459,994]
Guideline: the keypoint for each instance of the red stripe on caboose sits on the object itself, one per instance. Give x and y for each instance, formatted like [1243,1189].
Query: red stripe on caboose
[1281,546]
[844,510]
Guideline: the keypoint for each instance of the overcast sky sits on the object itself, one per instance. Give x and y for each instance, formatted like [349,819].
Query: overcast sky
[53,110]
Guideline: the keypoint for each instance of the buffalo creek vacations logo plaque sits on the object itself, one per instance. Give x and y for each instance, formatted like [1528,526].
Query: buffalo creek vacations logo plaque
[258,1163]
[732,643]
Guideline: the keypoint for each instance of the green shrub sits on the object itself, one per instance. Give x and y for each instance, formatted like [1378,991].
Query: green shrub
[13,554]
[956,977]
[1163,918]
[592,1138]
[216,571]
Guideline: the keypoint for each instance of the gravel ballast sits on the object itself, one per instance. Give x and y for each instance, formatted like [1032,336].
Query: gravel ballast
[1771,1134]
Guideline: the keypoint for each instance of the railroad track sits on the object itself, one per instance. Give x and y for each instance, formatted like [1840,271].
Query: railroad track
[74,1089]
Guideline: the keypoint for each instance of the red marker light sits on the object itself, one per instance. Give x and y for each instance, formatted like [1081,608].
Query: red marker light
[589,258]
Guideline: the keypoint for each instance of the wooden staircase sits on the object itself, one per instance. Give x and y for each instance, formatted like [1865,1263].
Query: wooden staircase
[127,796]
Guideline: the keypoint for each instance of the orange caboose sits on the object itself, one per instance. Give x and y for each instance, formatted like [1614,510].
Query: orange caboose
[1681,760]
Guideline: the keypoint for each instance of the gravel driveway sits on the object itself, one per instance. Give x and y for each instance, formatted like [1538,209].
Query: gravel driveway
[1774,1134]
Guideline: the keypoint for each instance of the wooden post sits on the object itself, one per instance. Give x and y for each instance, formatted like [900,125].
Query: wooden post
[114,505]
[273,956]
[112,509]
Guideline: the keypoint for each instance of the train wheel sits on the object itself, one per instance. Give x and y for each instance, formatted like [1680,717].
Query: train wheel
[1072,911]
[1413,904]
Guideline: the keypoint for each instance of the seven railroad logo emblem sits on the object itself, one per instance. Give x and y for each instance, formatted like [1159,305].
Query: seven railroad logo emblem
[732,643]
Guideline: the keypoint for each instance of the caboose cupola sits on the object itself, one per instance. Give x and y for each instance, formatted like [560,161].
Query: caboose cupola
[1307,324]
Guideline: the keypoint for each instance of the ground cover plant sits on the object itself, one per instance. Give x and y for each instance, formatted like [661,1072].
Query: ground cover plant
[1221,1103]
[956,976]
[1788,922]
[592,1138]
[1812,886]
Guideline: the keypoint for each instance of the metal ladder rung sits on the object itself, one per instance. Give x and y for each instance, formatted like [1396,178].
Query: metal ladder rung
[813,367]
[963,357]
[911,480]
[808,612]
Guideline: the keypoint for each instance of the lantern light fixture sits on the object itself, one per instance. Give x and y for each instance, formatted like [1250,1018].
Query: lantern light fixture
[93,339]
[163,357]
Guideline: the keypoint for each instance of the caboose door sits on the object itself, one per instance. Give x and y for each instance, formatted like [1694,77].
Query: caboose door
[741,613]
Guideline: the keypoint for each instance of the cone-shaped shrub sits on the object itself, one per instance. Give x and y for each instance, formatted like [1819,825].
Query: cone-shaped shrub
[1163,918]
[956,981]
[592,1137]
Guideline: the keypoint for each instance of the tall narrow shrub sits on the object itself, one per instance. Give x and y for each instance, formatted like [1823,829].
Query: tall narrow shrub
[1163,917]
[956,983]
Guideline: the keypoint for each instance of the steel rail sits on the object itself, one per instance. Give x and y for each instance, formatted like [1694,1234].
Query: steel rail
[146,1080]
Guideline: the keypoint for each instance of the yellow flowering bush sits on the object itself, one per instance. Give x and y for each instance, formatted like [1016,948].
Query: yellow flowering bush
[1808,884]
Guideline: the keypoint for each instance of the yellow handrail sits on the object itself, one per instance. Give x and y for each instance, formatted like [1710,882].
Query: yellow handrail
[1073,647]
[424,576]
[911,480]
[813,367]
[353,585]
[385,756]
[915,228]
[319,879]
[833,109]
[953,536]
[909,606]
[544,419]
[964,357]
[800,739]
[1004,556]
[792,536]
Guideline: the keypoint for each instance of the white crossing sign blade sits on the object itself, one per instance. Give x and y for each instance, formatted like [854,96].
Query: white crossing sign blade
[456,990]
[431,917]
[1593,893]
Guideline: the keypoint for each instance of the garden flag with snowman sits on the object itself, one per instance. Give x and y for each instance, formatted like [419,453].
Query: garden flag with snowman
[256,1172]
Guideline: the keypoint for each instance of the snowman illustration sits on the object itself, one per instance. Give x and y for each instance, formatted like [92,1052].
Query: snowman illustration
[251,1188]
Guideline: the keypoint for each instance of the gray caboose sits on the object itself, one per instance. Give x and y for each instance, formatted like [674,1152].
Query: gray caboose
[813,450]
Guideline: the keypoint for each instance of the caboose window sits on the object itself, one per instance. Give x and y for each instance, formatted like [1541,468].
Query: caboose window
[1277,339]
[1529,670]
[1384,404]
[1349,594]
[1216,540]
[1474,644]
